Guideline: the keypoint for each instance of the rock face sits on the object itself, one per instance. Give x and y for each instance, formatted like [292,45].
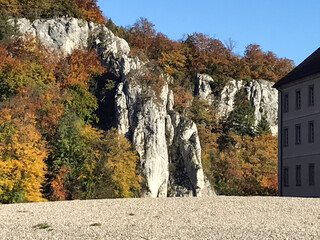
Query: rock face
[167,143]
[264,99]
[164,140]
[67,34]
[262,96]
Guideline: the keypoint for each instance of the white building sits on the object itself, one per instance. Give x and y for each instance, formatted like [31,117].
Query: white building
[299,130]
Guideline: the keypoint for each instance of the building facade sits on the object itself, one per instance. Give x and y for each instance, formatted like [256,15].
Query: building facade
[299,130]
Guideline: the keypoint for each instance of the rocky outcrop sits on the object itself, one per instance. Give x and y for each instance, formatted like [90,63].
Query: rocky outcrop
[262,96]
[160,135]
[188,177]
[167,143]
[147,120]
[67,34]
[264,99]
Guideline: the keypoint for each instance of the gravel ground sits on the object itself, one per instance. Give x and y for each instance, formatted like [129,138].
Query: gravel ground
[218,217]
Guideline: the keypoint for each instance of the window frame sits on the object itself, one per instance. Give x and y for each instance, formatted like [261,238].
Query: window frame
[298,175]
[311,95]
[311,131]
[285,136]
[286,102]
[298,134]
[298,99]
[286,176]
[311,172]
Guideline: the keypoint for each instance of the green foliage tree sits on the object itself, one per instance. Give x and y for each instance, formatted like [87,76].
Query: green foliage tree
[82,102]
[121,32]
[263,126]
[96,166]
[242,116]
[7,30]
[202,113]
[74,149]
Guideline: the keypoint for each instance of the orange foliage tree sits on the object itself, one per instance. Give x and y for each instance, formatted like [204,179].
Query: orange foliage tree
[91,10]
[247,167]
[25,62]
[78,67]
[181,98]
[265,65]
[141,36]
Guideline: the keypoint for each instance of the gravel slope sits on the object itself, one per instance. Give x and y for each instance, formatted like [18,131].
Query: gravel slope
[171,218]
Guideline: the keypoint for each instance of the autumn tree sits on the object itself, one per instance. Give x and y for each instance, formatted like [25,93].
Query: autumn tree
[78,67]
[32,9]
[258,160]
[247,168]
[22,153]
[90,158]
[207,53]
[50,107]
[57,191]
[181,98]
[25,62]
[122,163]
[173,63]
[73,149]
[140,36]
[282,67]
[266,65]
[159,44]
[90,9]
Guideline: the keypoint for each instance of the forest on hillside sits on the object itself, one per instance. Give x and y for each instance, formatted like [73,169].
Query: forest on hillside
[52,143]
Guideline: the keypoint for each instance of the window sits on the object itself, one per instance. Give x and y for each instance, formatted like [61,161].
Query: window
[298,99]
[311,174]
[285,137]
[298,175]
[298,134]
[285,176]
[311,95]
[311,131]
[286,102]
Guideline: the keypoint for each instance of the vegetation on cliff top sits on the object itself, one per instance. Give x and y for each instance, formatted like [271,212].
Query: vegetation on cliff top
[200,53]
[35,9]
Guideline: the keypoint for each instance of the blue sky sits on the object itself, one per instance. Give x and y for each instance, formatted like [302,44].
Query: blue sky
[289,28]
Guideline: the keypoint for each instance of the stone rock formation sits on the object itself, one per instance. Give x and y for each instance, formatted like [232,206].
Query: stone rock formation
[260,93]
[167,143]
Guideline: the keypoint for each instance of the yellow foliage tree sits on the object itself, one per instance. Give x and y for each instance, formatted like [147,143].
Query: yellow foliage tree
[122,161]
[22,152]
[172,61]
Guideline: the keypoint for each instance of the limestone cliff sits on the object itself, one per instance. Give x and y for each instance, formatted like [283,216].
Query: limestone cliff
[168,144]
[262,96]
